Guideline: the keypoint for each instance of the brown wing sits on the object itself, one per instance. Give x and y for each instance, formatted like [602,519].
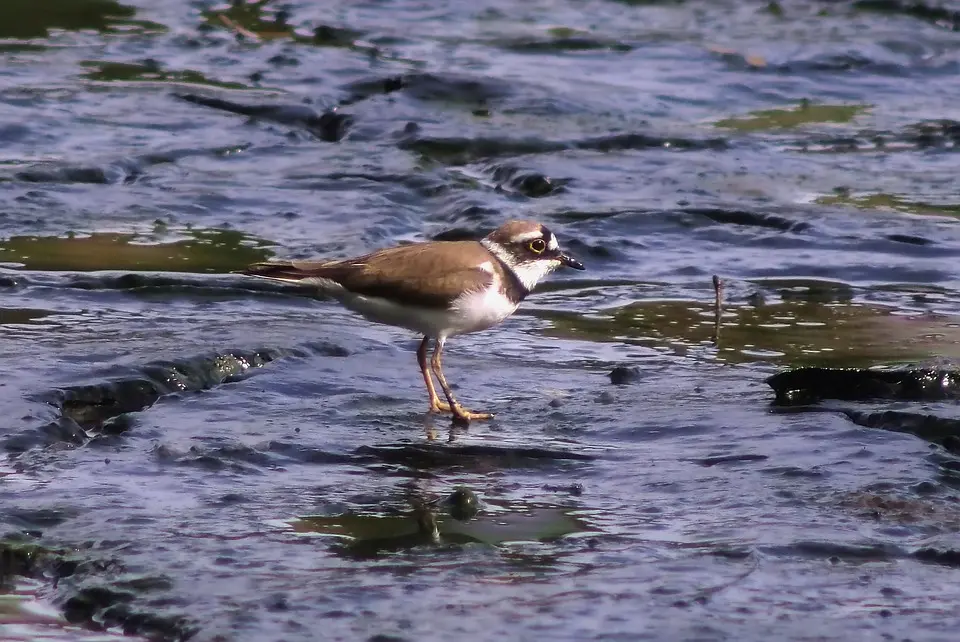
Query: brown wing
[425,274]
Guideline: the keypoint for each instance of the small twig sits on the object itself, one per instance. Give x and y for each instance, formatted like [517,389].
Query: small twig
[235,26]
[718,307]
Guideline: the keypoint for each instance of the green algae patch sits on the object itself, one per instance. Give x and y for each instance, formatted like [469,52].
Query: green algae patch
[792,117]
[149,72]
[889,202]
[814,324]
[27,19]
[566,32]
[23,316]
[211,251]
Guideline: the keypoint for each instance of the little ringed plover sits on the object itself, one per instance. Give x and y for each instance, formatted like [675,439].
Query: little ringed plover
[438,289]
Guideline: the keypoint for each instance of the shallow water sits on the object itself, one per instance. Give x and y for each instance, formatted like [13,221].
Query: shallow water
[192,454]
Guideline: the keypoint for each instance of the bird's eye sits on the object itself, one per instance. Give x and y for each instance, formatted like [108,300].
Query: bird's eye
[537,246]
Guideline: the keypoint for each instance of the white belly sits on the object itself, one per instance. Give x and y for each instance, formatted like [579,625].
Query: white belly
[470,313]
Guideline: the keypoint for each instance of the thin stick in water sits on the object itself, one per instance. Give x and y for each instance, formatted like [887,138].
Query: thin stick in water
[717,307]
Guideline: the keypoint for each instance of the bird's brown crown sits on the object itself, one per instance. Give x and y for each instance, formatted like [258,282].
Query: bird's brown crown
[526,241]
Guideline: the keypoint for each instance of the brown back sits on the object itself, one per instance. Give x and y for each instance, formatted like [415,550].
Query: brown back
[429,275]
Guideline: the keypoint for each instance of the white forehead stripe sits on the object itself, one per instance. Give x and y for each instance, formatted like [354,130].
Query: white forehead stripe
[553,245]
[527,236]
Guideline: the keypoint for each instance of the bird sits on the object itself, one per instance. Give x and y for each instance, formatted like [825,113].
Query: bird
[438,289]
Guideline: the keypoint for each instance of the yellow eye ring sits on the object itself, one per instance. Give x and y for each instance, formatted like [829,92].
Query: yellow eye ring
[537,246]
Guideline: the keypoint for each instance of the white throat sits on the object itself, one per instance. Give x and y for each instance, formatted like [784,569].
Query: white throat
[529,273]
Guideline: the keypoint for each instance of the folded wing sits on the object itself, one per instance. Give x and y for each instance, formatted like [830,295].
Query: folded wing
[429,275]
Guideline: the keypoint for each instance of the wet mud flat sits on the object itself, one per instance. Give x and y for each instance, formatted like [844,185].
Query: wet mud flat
[189,454]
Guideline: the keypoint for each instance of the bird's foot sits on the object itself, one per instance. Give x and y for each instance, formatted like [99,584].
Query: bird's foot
[436,405]
[469,415]
[439,406]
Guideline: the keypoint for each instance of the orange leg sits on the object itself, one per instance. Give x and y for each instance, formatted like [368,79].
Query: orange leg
[435,404]
[458,411]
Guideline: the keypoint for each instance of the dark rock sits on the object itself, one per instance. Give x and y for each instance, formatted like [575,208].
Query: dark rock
[725,459]
[947,557]
[89,601]
[464,504]
[277,602]
[939,16]
[327,36]
[95,405]
[809,385]
[926,488]
[331,126]
[755,219]
[622,375]
[909,239]
[531,184]
[952,443]
[937,430]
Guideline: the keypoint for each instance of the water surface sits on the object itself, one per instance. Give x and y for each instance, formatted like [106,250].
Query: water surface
[189,454]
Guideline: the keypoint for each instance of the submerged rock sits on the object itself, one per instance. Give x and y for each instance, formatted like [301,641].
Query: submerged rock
[621,375]
[93,596]
[329,126]
[464,504]
[103,408]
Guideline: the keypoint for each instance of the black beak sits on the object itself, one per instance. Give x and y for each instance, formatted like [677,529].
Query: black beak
[570,262]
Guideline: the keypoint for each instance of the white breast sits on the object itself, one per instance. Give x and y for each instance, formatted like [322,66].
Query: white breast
[480,310]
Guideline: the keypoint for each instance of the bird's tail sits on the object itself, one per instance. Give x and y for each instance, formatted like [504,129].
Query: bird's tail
[278,271]
[291,271]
